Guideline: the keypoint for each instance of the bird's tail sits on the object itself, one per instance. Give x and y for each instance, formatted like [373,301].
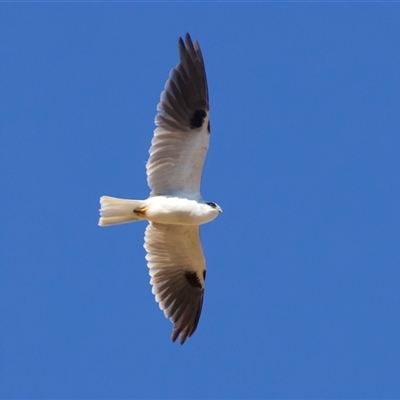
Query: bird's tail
[115,211]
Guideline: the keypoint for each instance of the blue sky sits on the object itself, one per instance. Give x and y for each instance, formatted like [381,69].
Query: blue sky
[302,293]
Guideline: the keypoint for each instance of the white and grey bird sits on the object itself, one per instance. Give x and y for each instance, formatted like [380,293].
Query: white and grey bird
[175,208]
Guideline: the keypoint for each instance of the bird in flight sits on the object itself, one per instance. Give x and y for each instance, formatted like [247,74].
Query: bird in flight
[175,209]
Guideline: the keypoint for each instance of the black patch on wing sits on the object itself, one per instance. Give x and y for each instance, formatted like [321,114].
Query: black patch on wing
[197,119]
[193,279]
[208,127]
[204,274]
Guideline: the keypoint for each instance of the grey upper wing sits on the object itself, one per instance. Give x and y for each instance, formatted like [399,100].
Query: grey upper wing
[181,138]
[177,269]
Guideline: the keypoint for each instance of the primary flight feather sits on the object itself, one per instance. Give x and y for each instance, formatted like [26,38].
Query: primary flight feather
[175,208]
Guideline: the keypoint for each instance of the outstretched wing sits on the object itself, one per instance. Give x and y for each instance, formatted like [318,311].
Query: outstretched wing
[177,270]
[181,138]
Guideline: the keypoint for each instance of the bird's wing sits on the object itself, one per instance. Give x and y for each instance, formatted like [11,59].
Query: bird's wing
[181,138]
[177,270]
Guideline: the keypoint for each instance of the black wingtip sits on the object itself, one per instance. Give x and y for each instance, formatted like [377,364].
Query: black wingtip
[175,335]
[188,43]
[188,39]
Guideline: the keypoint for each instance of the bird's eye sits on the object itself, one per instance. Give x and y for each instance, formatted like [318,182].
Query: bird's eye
[213,205]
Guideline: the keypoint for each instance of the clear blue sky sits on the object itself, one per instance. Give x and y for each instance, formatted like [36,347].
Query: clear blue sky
[302,293]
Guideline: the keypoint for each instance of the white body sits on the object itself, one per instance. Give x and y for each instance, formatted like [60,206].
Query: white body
[162,209]
[178,210]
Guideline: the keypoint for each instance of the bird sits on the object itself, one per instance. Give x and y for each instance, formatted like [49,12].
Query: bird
[175,208]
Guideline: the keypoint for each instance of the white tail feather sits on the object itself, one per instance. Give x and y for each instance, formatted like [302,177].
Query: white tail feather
[117,211]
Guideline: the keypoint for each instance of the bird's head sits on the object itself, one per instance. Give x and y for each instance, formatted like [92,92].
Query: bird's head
[215,206]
